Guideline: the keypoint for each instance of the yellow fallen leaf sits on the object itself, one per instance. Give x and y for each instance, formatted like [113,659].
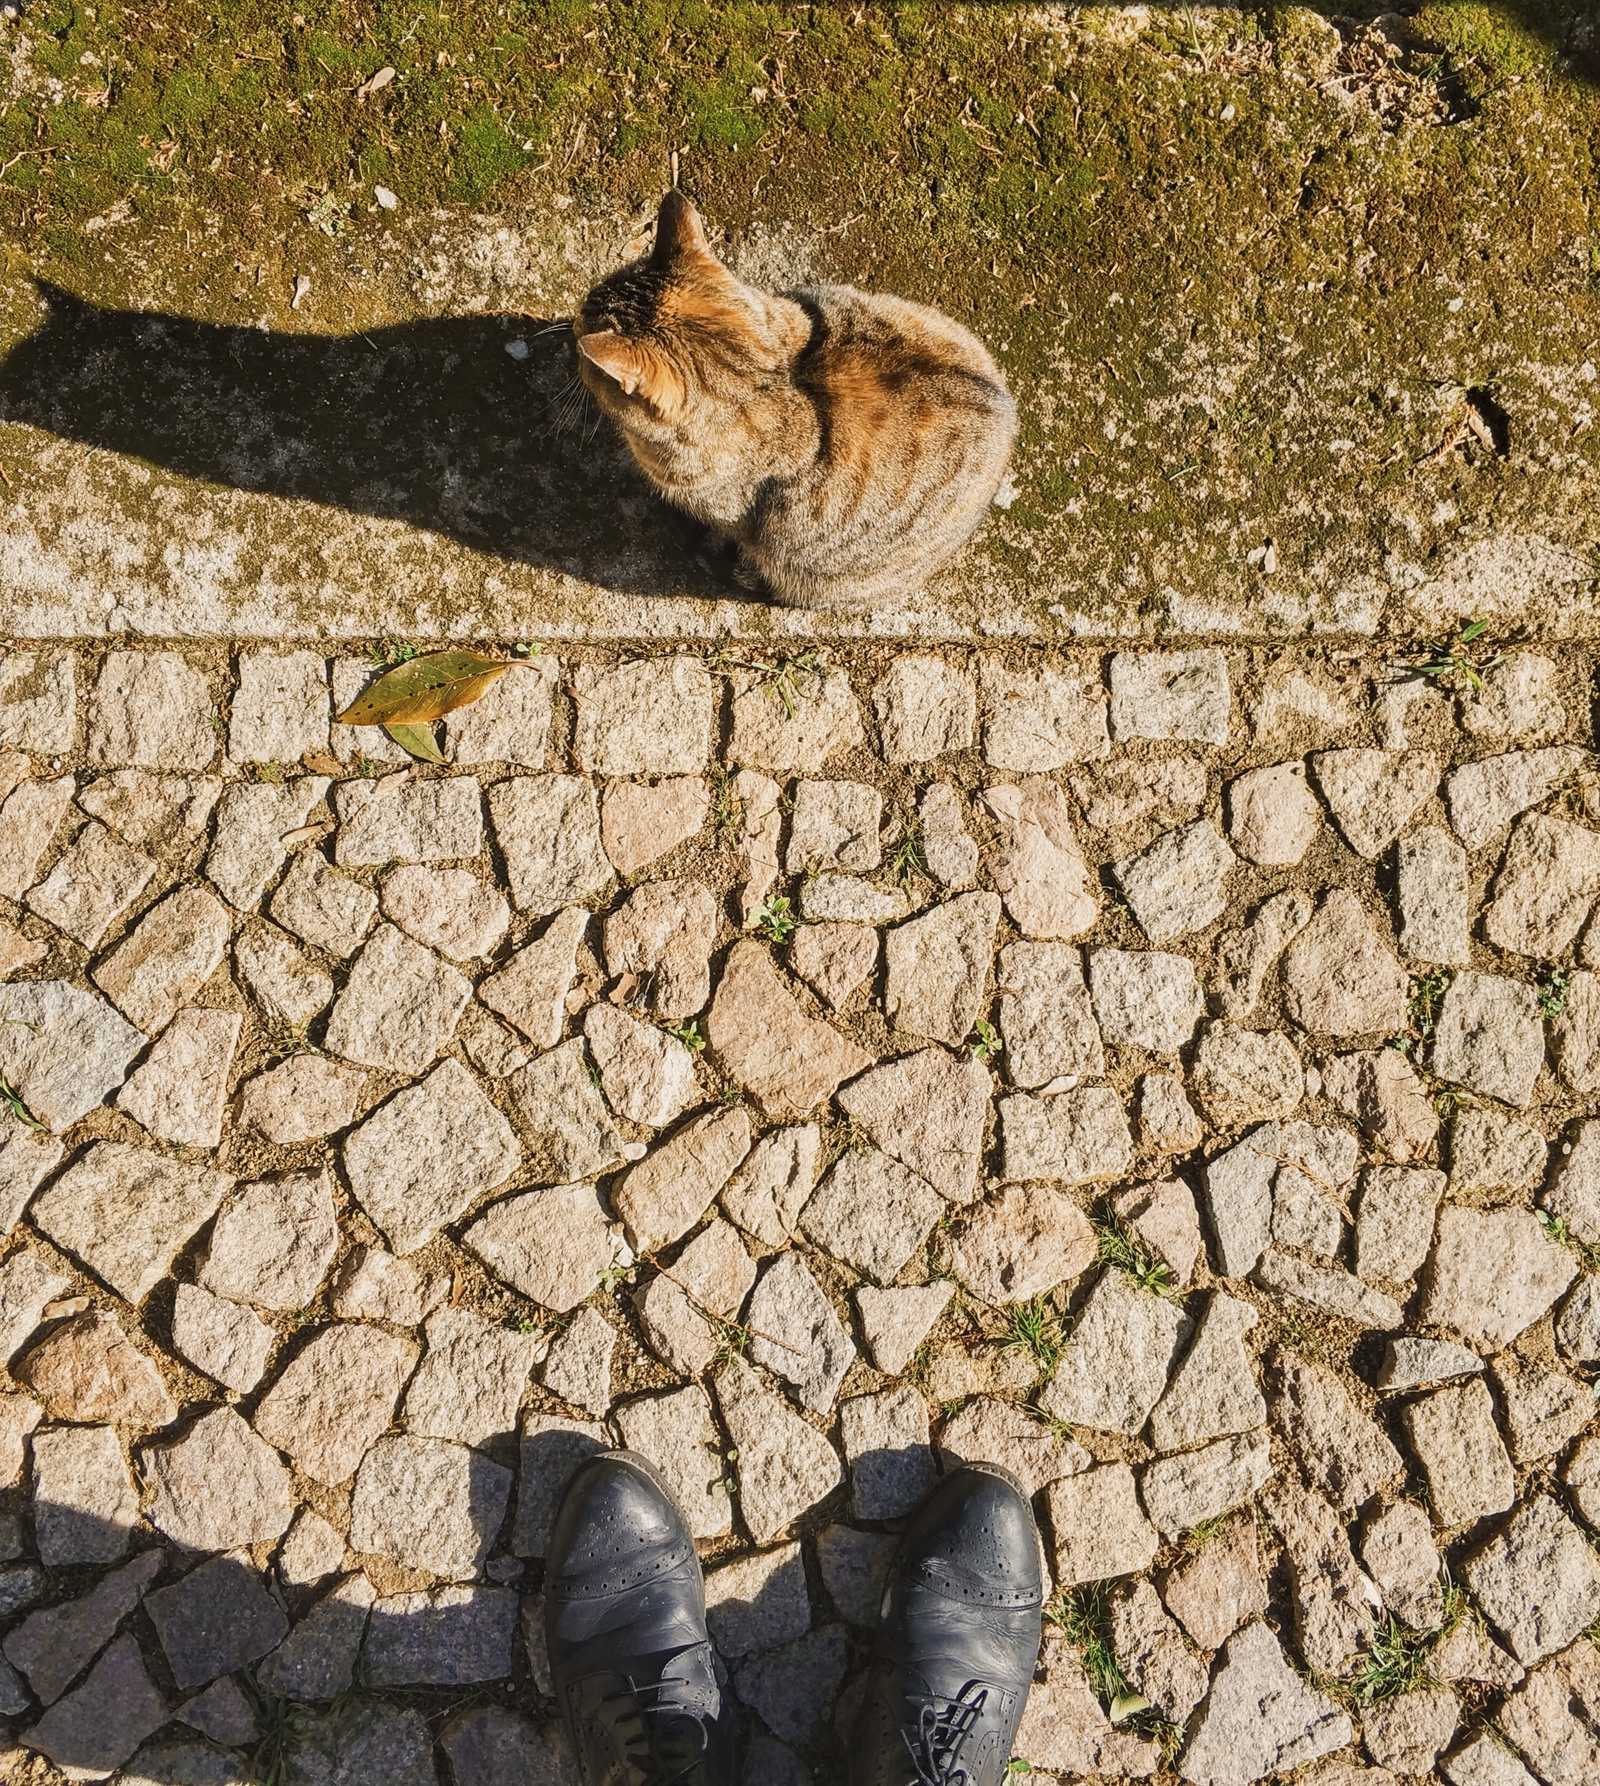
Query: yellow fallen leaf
[418,742]
[425,689]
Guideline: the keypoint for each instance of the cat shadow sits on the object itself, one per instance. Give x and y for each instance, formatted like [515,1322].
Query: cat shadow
[470,427]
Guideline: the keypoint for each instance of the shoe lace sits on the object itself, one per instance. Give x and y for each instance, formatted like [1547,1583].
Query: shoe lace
[943,1726]
[656,1734]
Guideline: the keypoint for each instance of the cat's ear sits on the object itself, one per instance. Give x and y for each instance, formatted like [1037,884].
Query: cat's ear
[638,369]
[679,231]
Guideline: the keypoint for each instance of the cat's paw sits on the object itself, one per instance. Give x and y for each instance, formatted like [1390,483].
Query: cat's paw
[747,574]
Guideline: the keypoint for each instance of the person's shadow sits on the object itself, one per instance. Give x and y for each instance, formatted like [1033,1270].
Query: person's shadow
[472,427]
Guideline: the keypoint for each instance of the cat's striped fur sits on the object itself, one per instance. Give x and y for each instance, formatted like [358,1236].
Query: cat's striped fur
[846,443]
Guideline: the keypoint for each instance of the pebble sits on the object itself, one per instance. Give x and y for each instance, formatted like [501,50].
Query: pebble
[937,967]
[217,1618]
[491,1746]
[1245,1075]
[1394,1221]
[334,1399]
[1453,1434]
[894,1323]
[279,710]
[220,1338]
[167,957]
[564,1116]
[1482,1762]
[1064,1729]
[1077,1138]
[785,1467]
[758,1601]
[926,707]
[1220,1586]
[1167,1120]
[578,1368]
[765,1196]
[367,1739]
[793,1688]
[1578,1324]
[1142,999]
[1492,1274]
[547,828]
[253,818]
[641,823]
[87,1369]
[1184,1491]
[834,825]
[552,1245]
[835,960]
[1398,1552]
[1170,694]
[760,1036]
[372,1285]
[442,1637]
[425,1157]
[1156,1661]
[950,854]
[1260,1717]
[92,885]
[97,1726]
[510,721]
[1431,871]
[1037,863]
[667,1193]
[151,709]
[1332,1291]
[795,1333]
[1340,977]
[1248,956]
[490,1045]
[399,1007]
[1020,1242]
[1177,884]
[1546,887]
[304,1099]
[1372,794]
[221,1712]
[930,1112]
[1537,1580]
[1551,1719]
[650,717]
[771,740]
[845,899]
[1164,1218]
[273,1241]
[54,1646]
[217,1486]
[429,1505]
[287,982]
[323,907]
[312,1550]
[1114,1369]
[676,1433]
[1041,720]
[886,1444]
[1518,700]
[1493,1152]
[1575,1034]
[663,933]
[179,1092]
[755,798]
[85,1507]
[28,822]
[1342,1452]
[552,1450]
[470,1382]
[1408,1363]
[648,1075]
[27,1157]
[1099,1528]
[855,1571]
[1273,816]
[716,1271]
[872,1213]
[62,1049]
[19,1415]
[1386,1097]
[998,1432]
[317,1660]
[1213,1392]
[1484,797]
[127,1213]
[1544,1410]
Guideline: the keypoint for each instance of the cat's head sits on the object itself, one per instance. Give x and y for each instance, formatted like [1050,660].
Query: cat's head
[659,336]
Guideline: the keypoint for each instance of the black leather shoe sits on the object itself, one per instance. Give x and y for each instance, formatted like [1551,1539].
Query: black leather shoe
[644,1695]
[959,1642]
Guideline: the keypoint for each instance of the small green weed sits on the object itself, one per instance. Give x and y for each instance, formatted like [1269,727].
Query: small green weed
[1422,1007]
[271,773]
[1553,993]
[1198,1537]
[906,860]
[389,652]
[1555,1226]
[727,809]
[525,1324]
[278,1723]
[690,1035]
[285,1038]
[1119,1248]
[793,679]
[1455,657]
[1035,1327]
[612,1275]
[775,918]
[18,1109]
[988,1046]
[1083,1615]
[529,650]
[1398,1660]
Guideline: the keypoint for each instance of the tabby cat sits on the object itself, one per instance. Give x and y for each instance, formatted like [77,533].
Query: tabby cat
[847,444]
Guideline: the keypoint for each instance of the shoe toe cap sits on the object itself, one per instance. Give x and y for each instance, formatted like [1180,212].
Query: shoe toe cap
[616,1518]
[978,1522]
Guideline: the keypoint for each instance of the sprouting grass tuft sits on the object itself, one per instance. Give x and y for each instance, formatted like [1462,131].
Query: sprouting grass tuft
[1398,1661]
[1553,993]
[1147,1269]
[1422,1007]
[1083,1615]
[774,917]
[988,1046]
[1035,1327]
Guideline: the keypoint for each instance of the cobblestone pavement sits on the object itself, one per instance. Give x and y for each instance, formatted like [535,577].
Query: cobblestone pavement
[1169,1075]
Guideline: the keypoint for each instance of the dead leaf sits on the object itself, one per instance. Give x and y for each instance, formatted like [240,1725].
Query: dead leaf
[425,689]
[302,833]
[375,85]
[320,763]
[458,1285]
[576,999]
[625,989]
[417,741]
